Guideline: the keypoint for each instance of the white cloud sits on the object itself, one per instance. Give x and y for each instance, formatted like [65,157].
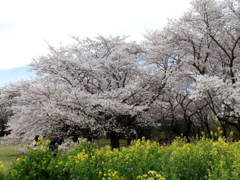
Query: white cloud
[28,24]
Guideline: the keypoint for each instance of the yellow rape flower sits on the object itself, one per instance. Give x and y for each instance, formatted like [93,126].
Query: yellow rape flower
[20,159]
[1,165]
[60,163]
[151,175]
[110,175]
[80,156]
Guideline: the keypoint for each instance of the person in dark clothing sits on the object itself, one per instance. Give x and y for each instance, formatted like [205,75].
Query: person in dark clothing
[35,141]
[75,138]
[55,141]
[36,138]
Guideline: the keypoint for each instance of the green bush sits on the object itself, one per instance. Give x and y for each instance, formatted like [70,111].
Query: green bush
[143,159]
[37,164]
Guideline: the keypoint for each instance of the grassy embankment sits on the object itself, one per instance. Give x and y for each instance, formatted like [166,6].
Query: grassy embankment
[8,153]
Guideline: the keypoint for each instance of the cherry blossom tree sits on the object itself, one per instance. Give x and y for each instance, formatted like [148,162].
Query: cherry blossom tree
[185,75]
[204,42]
[94,84]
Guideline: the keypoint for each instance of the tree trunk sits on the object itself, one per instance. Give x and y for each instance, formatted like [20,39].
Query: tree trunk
[115,140]
[129,140]
[89,138]
[224,128]
[208,128]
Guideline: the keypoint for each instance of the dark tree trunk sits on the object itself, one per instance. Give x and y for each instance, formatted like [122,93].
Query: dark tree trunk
[208,129]
[89,138]
[115,140]
[129,140]
[224,127]
[189,129]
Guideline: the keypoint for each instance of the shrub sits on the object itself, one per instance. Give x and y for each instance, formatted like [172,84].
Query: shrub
[142,160]
[37,164]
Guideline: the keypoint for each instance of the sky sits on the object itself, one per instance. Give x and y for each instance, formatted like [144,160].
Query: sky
[27,26]
[13,75]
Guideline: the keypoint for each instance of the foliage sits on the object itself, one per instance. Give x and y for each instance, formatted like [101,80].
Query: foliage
[143,159]
[151,175]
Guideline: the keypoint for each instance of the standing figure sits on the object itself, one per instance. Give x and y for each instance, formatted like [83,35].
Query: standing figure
[54,142]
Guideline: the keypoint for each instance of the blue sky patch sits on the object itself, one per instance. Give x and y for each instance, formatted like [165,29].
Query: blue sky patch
[15,74]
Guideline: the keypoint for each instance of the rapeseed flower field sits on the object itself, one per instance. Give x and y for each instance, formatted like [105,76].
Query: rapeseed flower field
[210,159]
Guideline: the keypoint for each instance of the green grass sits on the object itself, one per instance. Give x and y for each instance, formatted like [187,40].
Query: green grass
[8,153]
